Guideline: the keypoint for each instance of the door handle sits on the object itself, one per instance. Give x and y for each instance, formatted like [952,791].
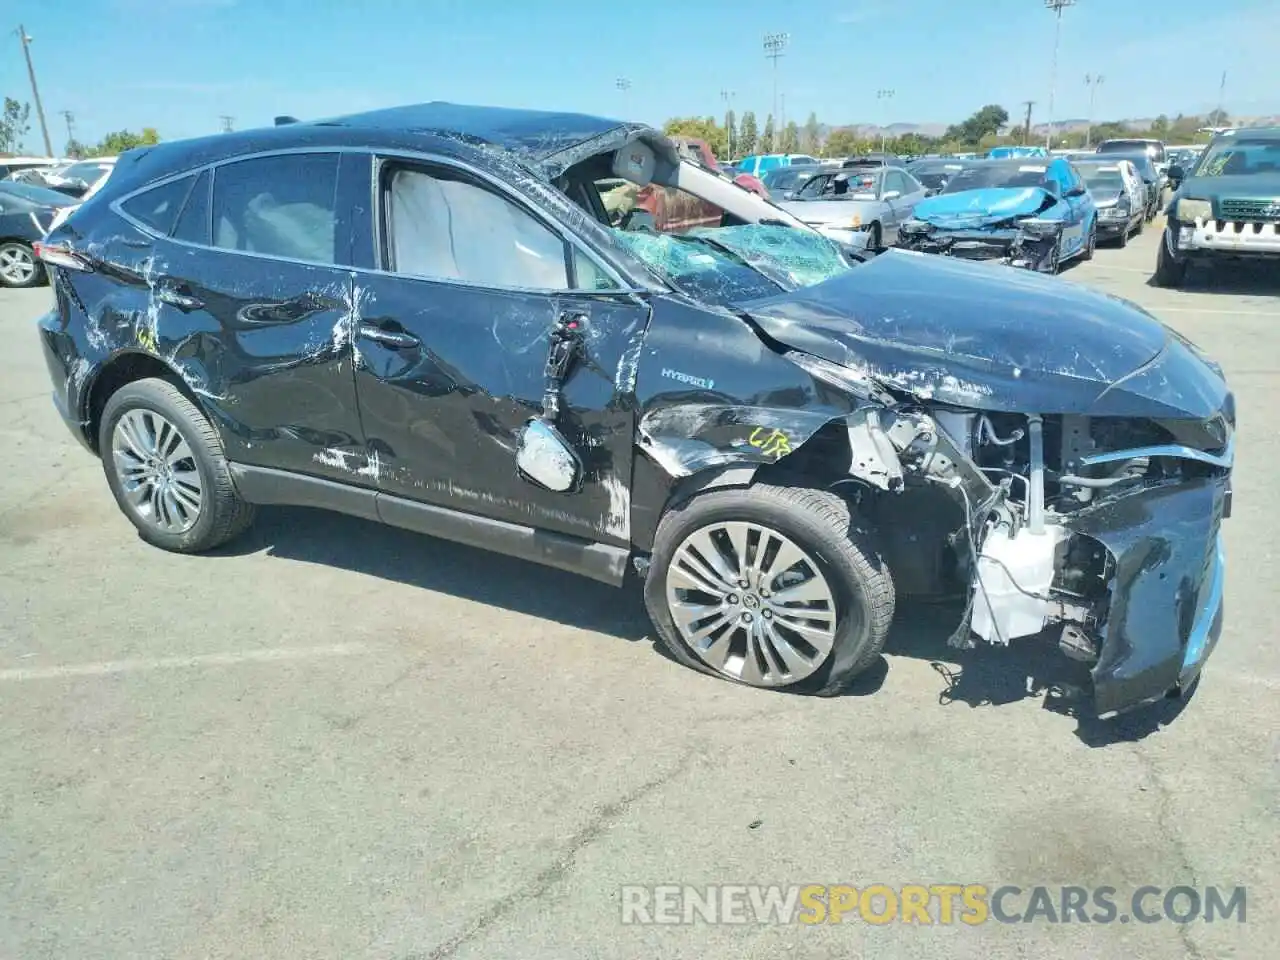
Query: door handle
[174,298]
[396,339]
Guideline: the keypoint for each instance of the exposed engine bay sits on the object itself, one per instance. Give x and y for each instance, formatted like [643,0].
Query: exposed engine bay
[1031,491]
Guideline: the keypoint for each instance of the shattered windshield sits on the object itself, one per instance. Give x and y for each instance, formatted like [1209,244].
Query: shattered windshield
[728,265]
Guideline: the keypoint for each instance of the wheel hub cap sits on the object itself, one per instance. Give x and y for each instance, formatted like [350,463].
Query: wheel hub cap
[751,603]
[157,471]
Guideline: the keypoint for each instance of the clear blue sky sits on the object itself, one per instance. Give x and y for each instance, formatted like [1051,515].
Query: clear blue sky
[178,64]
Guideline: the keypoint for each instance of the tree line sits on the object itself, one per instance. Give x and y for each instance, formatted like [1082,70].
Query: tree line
[732,137]
[15,125]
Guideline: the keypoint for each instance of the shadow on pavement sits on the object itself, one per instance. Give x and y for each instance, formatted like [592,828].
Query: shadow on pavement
[362,546]
[1031,667]
[1233,279]
[982,676]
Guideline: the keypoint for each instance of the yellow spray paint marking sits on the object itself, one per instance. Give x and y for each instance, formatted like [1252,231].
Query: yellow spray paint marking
[772,443]
[147,338]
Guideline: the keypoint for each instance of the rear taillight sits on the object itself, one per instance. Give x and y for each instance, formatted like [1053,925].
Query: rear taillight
[59,255]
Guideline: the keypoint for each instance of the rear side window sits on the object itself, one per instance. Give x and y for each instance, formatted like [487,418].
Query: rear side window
[158,207]
[193,222]
[280,206]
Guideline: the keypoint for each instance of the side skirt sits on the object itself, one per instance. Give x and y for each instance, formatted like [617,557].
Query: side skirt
[265,486]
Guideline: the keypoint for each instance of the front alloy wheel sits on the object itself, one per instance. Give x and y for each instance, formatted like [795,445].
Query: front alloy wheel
[157,471]
[751,603]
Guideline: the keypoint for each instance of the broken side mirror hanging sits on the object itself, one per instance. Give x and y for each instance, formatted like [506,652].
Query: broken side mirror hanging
[544,457]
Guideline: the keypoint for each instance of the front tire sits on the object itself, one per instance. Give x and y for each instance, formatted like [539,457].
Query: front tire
[19,267]
[1170,272]
[771,587]
[165,466]
[875,238]
[1091,244]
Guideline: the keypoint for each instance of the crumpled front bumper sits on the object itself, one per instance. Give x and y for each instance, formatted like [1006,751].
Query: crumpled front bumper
[1008,246]
[1166,608]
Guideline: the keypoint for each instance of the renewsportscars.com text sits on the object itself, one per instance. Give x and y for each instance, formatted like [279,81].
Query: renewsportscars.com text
[939,903]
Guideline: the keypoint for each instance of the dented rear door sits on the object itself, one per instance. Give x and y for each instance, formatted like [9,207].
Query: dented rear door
[251,299]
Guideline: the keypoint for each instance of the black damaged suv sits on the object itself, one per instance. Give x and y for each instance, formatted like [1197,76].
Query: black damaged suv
[427,316]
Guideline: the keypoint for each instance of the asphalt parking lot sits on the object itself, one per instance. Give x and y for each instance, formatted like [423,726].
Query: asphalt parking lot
[338,740]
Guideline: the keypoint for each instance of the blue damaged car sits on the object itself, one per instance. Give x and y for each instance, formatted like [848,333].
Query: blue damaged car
[1032,213]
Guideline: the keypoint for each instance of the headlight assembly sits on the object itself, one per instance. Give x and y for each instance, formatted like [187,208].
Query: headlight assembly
[1041,229]
[1189,210]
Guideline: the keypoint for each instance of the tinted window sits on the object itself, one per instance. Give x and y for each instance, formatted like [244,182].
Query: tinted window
[37,195]
[998,173]
[88,171]
[449,229]
[158,207]
[193,222]
[280,206]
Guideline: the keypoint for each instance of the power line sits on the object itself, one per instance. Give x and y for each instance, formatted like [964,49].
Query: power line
[35,90]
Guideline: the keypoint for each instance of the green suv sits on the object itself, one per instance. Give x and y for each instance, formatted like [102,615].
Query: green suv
[1227,206]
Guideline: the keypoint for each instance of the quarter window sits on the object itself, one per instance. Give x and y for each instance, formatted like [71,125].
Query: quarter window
[282,206]
[447,228]
[158,207]
[193,222]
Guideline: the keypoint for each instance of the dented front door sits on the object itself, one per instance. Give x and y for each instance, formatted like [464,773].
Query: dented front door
[443,399]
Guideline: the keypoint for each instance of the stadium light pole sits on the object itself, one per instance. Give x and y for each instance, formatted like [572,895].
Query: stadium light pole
[727,96]
[774,45]
[1057,6]
[35,90]
[624,85]
[1091,81]
[885,95]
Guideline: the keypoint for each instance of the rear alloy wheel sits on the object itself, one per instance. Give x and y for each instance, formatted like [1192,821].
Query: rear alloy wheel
[19,266]
[770,587]
[164,464]
[1122,241]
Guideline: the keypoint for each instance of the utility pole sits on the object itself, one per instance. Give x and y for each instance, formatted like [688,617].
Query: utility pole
[70,117]
[623,84]
[727,96]
[1057,6]
[774,45]
[1026,136]
[886,96]
[226,122]
[35,90]
[1091,81]
[1222,94]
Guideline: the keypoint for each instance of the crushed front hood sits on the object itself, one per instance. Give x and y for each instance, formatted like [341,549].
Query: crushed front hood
[993,338]
[970,209]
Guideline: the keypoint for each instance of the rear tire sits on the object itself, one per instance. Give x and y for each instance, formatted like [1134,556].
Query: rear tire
[818,526]
[1122,241]
[165,466]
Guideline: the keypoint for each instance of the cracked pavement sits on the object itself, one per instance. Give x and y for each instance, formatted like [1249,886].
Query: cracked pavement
[338,740]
